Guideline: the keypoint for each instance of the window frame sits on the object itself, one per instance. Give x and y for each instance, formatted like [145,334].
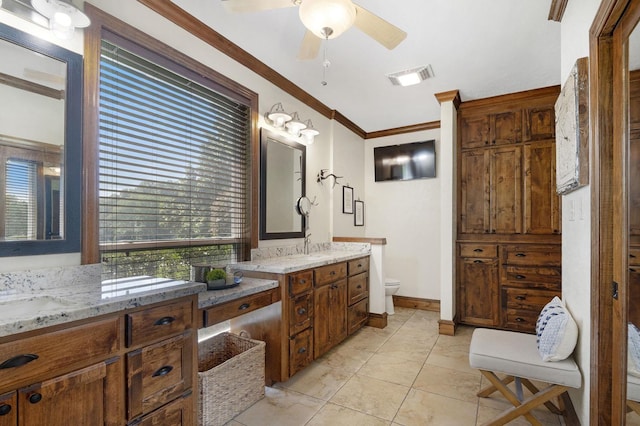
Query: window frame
[114,30]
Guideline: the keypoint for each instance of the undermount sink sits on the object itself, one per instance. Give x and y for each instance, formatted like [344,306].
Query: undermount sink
[32,305]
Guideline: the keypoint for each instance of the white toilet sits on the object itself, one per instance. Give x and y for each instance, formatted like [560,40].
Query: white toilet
[391,286]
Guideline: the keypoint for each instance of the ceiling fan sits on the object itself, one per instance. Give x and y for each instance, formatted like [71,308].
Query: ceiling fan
[327,19]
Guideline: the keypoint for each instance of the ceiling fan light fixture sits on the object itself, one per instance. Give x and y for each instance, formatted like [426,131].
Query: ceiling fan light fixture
[295,125]
[277,116]
[327,18]
[411,76]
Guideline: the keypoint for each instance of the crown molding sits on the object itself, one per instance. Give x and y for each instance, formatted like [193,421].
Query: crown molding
[557,10]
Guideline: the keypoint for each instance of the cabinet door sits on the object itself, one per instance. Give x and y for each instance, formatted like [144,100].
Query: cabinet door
[76,398]
[541,203]
[506,127]
[539,123]
[474,192]
[300,351]
[474,131]
[330,316]
[9,409]
[479,297]
[505,195]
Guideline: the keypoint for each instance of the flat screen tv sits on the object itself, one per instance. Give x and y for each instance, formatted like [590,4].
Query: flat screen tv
[408,161]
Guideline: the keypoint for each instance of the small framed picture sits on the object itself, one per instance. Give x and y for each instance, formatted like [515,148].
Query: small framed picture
[347,200]
[358,218]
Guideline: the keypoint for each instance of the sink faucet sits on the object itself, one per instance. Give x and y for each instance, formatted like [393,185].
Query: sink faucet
[307,240]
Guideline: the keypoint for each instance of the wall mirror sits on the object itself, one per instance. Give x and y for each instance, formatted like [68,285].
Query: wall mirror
[282,183]
[40,146]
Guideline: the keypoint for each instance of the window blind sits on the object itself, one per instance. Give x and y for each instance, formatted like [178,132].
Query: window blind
[21,212]
[174,170]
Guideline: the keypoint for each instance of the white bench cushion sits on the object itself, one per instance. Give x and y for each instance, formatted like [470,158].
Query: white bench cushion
[633,388]
[517,354]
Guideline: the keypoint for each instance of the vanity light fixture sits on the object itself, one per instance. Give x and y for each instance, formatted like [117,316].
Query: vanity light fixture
[63,16]
[411,76]
[309,132]
[277,116]
[295,125]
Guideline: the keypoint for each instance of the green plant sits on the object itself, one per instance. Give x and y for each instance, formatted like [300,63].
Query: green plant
[216,274]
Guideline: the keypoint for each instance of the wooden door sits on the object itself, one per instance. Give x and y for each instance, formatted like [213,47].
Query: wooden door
[541,203]
[479,297]
[506,127]
[474,131]
[338,318]
[9,409]
[321,323]
[474,190]
[505,190]
[76,398]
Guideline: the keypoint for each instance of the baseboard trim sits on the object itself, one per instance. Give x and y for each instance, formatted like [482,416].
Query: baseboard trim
[446,327]
[377,320]
[416,303]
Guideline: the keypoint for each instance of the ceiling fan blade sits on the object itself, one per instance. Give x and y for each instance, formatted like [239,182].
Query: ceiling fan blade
[241,6]
[310,46]
[378,29]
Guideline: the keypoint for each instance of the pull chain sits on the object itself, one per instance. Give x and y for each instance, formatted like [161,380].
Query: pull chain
[325,62]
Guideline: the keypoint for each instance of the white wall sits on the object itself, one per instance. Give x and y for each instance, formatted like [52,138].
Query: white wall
[407,213]
[348,162]
[576,212]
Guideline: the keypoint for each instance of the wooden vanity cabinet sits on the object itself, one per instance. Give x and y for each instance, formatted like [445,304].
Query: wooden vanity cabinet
[86,372]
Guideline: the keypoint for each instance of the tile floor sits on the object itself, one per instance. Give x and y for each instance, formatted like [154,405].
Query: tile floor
[404,374]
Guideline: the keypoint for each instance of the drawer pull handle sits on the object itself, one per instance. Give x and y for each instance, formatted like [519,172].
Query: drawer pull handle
[162,371]
[164,321]
[359,286]
[35,398]
[521,297]
[244,306]
[632,270]
[520,277]
[519,319]
[18,361]
[302,350]
[359,265]
[302,281]
[477,261]
[521,255]
[478,250]
[5,409]
[302,311]
[633,256]
[332,273]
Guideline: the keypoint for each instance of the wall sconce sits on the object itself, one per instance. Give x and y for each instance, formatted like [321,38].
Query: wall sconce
[59,16]
[278,118]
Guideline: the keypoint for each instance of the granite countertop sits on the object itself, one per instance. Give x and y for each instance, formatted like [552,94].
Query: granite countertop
[247,287]
[22,310]
[299,262]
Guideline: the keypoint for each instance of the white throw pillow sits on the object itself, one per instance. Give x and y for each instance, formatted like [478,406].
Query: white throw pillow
[557,331]
[633,350]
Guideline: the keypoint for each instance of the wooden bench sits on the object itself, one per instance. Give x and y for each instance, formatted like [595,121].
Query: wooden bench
[516,355]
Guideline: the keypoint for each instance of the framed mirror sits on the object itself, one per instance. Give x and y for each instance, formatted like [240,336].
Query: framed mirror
[40,146]
[282,183]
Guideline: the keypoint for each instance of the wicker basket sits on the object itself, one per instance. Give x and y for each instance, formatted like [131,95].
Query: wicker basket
[230,377]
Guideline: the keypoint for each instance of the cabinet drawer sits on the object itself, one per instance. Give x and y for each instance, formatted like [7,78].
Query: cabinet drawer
[357,288]
[532,255]
[358,266]
[479,250]
[159,373]
[300,351]
[234,308]
[531,300]
[301,313]
[634,257]
[56,351]
[176,413]
[158,322]
[330,273]
[300,282]
[533,276]
[520,319]
[357,315]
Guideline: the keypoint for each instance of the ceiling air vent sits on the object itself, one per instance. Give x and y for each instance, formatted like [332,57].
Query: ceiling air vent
[412,76]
